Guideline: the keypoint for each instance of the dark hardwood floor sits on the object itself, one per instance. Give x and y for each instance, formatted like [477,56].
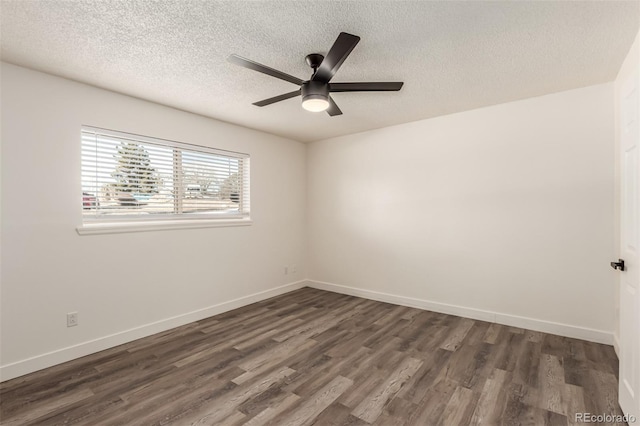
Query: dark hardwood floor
[315,357]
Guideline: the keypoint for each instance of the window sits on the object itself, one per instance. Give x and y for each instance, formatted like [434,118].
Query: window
[140,180]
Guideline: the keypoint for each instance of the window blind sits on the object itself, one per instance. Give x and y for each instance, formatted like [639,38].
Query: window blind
[131,177]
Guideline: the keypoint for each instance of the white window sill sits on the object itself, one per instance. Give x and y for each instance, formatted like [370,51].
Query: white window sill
[157,225]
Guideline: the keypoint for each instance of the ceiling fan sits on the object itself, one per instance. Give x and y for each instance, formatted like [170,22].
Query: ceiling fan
[316,92]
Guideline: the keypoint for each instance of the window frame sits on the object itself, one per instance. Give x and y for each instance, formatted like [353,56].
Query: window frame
[154,222]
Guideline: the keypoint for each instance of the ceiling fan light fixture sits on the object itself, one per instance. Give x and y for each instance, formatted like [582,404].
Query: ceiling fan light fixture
[315,103]
[315,96]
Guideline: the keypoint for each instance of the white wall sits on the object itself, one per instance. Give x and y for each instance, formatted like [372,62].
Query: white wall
[503,213]
[125,285]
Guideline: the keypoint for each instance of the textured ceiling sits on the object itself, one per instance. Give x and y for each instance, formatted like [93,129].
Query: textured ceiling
[452,56]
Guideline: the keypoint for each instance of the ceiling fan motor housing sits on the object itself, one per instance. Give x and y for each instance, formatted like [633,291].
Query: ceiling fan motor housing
[315,90]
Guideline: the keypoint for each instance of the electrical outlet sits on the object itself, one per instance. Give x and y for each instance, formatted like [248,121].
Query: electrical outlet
[294,269]
[72,319]
[286,270]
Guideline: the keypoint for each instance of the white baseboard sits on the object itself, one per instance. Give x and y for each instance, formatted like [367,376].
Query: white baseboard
[598,336]
[29,365]
[616,344]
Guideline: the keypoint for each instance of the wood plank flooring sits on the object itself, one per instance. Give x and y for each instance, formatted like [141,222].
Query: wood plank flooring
[315,357]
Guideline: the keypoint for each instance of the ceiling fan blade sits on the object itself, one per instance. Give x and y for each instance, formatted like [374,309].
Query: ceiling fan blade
[247,63]
[333,108]
[275,99]
[341,48]
[366,87]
